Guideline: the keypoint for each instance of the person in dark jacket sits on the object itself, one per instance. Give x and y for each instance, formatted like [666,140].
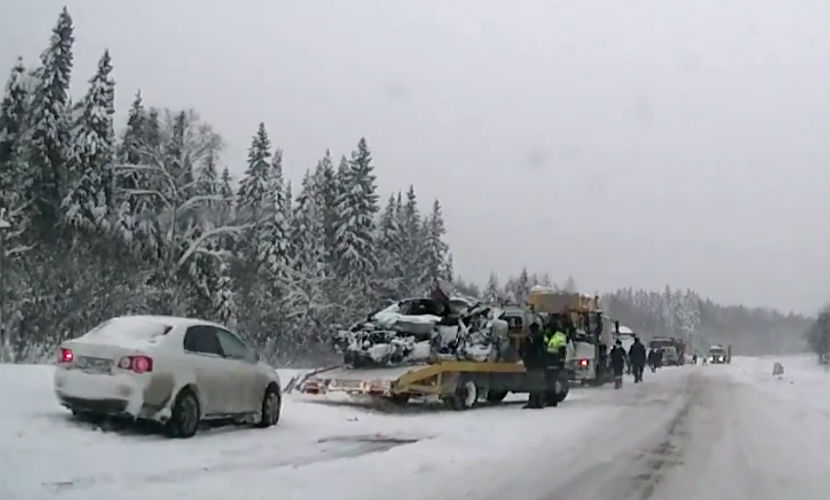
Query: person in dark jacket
[637,354]
[652,360]
[534,355]
[617,357]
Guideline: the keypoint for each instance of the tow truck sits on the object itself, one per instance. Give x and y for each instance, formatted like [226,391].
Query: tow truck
[587,354]
[460,385]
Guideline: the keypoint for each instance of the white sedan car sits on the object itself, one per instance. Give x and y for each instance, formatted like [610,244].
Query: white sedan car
[176,371]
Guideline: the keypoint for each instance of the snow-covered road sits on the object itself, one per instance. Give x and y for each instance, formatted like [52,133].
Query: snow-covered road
[692,432]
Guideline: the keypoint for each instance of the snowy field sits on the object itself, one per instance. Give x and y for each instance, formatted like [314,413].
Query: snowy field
[730,431]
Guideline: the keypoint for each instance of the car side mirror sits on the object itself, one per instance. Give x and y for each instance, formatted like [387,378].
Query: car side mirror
[253,356]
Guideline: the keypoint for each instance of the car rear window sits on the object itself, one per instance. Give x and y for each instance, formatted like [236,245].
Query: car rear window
[128,331]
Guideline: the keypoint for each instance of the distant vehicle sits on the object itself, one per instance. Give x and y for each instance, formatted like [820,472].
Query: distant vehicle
[674,351]
[717,354]
[175,371]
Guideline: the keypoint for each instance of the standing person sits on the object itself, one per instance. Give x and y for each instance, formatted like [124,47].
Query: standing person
[533,351]
[556,343]
[659,357]
[637,355]
[694,358]
[652,360]
[617,363]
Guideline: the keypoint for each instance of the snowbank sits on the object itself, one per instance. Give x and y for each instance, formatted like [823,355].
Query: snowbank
[729,431]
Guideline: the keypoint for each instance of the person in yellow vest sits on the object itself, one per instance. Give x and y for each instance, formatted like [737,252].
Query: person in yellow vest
[556,341]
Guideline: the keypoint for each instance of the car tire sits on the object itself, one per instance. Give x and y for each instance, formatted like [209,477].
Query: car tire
[496,396]
[271,407]
[86,416]
[184,416]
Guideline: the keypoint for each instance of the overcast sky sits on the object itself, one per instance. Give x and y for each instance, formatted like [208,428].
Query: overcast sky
[637,143]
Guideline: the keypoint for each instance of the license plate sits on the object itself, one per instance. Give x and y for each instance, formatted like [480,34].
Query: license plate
[93,364]
[348,384]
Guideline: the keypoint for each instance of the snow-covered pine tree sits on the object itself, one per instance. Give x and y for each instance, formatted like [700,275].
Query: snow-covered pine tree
[207,180]
[13,169]
[305,301]
[130,152]
[224,299]
[492,293]
[134,135]
[341,176]
[413,255]
[434,248]
[449,272]
[225,207]
[13,114]
[570,285]
[152,129]
[89,200]
[325,196]
[253,188]
[226,188]
[354,244]
[522,287]
[667,311]
[272,233]
[288,203]
[49,146]
[390,253]
[306,230]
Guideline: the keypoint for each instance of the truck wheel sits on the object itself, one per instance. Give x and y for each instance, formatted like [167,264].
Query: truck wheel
[496,396]
[399,399]
[563,386]
[465,395]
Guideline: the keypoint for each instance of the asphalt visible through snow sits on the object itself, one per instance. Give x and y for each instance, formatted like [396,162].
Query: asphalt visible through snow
[731,431]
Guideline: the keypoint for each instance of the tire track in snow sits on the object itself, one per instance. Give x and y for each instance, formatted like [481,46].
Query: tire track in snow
[637,462]
[346,446]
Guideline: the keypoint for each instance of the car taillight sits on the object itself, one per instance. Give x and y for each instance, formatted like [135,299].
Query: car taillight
[138,364]
[583,362]
[65,355]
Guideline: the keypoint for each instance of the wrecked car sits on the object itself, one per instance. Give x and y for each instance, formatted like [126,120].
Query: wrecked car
[418,330]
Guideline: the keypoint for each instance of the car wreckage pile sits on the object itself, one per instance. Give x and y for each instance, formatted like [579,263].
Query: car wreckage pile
[424,330]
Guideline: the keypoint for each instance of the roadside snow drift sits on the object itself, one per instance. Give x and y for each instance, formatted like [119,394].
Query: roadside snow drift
[729,431]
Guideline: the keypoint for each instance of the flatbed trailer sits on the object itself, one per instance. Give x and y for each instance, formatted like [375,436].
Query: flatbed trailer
[459,384]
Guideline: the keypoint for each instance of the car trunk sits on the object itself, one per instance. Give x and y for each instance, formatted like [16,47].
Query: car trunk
[96,357]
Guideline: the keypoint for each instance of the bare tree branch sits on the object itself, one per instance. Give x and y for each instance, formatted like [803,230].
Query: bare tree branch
[219,231]
[19,249]
[149,192]
[199,198]
[221,255]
